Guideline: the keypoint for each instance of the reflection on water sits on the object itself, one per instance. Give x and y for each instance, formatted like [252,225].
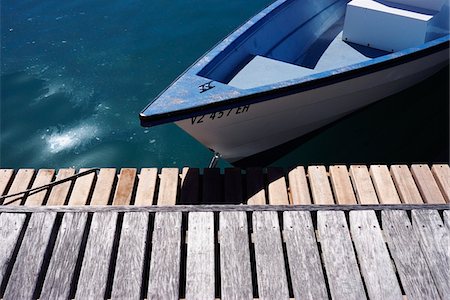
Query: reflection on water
[71,139]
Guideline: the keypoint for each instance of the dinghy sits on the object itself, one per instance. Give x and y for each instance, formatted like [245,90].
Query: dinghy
[299,65]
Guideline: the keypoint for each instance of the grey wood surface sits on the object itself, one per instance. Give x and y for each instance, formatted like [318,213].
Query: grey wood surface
[164,273]
[200,256]
[10,227]
[25,273]
[373,256]
[60,271]
[94,269]
[338,256]
[434,242]
[409,260]
[270,267]
[447,220]
[235,270]
[127,283]
[304,259]
[218,208]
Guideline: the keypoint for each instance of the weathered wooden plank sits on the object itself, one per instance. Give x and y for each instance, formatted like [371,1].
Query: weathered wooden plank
[21,182]
[59,192]
[365,192]
[405,184]
[25,273]
[6,176]
[342,186]
[168,186]
[61,269]
[270,267]
[320,185]
[217,208]
[404,247]
[298,186]
[125,186]
[81,189]
[43,177]
[95,265]
[103,186]
[190,186]
[277,187]
[304,260]
[374,260]
[447,220]
[166,254]
[338,256]
[200,256]
[434,242]
[427,185]
[384,186]
[233,186]
[212,186]
[10,228]
[235,270]
[146,188]
[256,194]
[127,283]
[442,175]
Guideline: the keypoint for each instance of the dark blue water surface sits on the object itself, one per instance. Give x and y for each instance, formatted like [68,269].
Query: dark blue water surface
[75,74]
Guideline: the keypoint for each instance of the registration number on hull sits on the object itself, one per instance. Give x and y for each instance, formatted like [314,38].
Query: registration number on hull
[220,114]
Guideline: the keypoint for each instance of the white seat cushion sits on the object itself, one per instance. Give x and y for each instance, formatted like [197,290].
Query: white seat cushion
[381,26]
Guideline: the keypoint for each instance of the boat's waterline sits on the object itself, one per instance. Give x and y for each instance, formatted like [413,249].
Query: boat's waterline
[249,129]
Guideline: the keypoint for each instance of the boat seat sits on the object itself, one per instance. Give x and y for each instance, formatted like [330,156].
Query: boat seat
[389,25]
[262,71]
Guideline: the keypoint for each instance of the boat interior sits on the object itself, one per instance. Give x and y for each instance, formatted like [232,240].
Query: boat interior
[302,38]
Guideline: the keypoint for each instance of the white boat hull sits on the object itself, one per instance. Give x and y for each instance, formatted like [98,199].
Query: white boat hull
[247,130]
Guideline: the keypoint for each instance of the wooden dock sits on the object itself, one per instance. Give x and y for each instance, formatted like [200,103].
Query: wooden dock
[357,184]
[361,232]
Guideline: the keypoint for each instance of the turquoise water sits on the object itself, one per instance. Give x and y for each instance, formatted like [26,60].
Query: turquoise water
[75,75]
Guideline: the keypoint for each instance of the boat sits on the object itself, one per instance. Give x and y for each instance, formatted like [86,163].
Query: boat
[299,65]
